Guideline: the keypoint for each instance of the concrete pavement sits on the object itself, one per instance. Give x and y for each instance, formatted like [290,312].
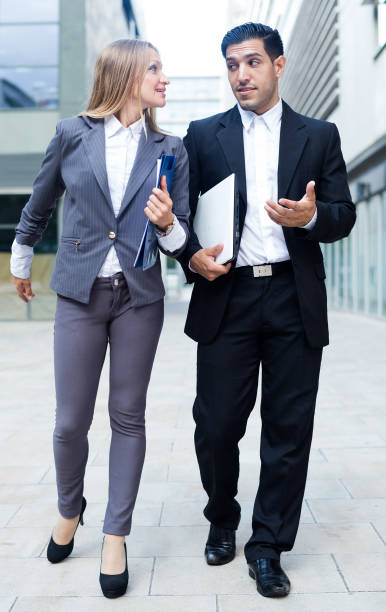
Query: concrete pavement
[339,560]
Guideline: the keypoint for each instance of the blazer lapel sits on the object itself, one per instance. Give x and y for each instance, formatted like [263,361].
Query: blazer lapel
[94,143]
[293,137]
[230,138]
[148,151]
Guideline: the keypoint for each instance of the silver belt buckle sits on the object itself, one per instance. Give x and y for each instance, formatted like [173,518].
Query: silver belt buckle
[262,271]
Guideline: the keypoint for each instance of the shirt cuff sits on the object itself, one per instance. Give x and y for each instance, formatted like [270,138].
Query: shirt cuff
[191,269]
[21,260]
[310,224]
[174,240]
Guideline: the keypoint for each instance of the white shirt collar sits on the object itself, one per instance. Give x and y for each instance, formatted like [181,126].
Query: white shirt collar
[271,117]
[113,126]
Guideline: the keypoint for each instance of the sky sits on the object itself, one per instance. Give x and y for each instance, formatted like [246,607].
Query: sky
[187,34]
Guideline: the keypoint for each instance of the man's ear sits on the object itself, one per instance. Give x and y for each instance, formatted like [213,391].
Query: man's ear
[279,65]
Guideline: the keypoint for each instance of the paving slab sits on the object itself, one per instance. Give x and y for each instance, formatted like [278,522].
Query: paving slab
[6,603]
[21,494]
[36,577]
[190,513]
[338,538]
[99,604]
[308,574]
[366,487]
[7,511]
[339,557]
[363,571]
[347,510]
[22,542]
[317,602]
[22,475]
[380,528]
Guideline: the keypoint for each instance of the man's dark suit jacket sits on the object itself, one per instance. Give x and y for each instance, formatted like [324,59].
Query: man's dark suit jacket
[309,150]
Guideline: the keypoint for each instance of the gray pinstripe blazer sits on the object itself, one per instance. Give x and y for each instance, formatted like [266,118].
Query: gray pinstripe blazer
[75,163]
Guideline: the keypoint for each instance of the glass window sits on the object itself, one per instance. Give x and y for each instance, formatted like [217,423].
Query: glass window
[10,211]
[381,22]
[332,273]
[171,264]
[29,54]
[30,45]
[349,272]
[384,251]
[177,129]
[16,11]
[361,244]
[373,225]
[190,87]
[28,87]
[188,110]
[341,272]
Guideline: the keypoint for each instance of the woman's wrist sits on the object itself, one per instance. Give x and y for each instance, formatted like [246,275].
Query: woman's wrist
[166,224]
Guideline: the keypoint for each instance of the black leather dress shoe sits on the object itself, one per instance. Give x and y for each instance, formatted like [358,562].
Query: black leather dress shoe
[58,552]
[221,546]
[270,579]
[114,585]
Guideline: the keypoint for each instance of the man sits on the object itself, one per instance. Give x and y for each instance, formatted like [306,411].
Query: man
[268,306]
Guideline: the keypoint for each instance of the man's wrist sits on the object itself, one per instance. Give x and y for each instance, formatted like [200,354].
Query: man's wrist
[309,226]
[191,268]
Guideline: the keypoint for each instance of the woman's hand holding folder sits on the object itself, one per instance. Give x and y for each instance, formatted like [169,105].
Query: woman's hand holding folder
[159,206]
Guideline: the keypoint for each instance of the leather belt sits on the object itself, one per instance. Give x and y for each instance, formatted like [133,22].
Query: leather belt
[264,270]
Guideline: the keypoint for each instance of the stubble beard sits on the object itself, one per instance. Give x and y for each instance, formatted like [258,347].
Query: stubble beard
[258,106]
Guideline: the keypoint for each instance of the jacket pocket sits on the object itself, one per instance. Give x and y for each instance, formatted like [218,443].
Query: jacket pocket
[75,242]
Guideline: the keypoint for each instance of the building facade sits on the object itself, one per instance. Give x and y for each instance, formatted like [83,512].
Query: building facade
[336,71]
[188,99]
[48,50]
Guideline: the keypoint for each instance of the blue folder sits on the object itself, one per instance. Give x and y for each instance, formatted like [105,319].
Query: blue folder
[148,249]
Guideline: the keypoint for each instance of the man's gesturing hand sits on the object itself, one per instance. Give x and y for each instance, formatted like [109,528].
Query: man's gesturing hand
[293,214]
[204,262]
[23,288]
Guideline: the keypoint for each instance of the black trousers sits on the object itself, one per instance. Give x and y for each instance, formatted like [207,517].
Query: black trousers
[263,326]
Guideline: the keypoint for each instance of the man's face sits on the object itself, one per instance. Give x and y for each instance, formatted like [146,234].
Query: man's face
[253,76]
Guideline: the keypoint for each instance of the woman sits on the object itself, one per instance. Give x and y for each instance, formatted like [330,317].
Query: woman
[106,161]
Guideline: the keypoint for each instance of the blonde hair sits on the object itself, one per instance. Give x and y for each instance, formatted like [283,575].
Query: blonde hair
[119,72]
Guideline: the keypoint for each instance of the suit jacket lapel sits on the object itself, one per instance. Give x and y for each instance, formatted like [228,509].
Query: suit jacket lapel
[149,150]
[293,137]
[230,137]
[94,143]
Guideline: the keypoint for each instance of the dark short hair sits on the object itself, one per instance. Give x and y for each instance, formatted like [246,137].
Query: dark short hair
[273,44]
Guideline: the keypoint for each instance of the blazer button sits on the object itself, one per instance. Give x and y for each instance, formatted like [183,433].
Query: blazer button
[111,235]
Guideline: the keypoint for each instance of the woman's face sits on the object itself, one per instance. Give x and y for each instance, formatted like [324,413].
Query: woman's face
[153,90]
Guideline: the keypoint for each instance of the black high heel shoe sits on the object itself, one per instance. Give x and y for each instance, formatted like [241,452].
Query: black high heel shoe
[114,585]
[59,552]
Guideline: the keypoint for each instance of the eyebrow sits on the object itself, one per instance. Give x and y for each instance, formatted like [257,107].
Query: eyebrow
[248,56]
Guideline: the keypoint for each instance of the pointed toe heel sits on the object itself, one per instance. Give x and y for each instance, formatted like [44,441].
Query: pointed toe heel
[58,552]
[114,585]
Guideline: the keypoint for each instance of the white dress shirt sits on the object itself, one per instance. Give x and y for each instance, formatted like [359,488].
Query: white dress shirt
[262,240]
[121,146]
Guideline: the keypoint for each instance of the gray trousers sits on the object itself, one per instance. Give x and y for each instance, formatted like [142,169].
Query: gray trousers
[82,332]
